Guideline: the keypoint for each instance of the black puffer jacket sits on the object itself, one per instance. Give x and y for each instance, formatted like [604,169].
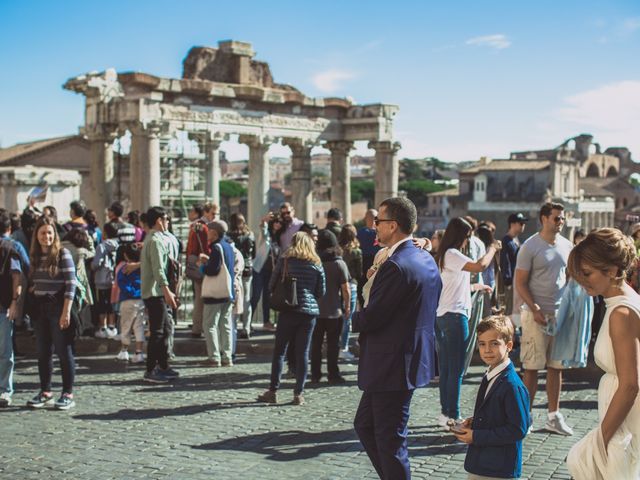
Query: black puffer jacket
[310,284]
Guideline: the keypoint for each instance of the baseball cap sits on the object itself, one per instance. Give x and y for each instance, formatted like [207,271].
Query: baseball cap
[517,218]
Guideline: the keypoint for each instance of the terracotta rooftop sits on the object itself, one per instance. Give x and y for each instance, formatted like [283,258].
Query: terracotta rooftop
[27,148]
[506,165]
[450,192]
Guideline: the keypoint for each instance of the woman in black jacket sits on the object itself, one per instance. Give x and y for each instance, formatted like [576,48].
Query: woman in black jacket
[303,264]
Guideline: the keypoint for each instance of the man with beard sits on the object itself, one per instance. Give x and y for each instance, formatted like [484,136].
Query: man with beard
[290,226]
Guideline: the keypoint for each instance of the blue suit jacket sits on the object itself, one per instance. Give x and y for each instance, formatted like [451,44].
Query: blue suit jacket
[500,422]
[397,328]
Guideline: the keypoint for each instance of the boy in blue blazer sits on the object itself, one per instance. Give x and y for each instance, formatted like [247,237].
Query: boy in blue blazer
[501,416]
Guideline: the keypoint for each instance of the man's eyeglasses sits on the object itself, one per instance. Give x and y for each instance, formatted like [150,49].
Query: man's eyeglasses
[285,212]
[559,219]
[377,220]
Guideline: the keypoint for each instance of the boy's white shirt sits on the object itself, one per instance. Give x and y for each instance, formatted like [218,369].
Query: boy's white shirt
[493,373]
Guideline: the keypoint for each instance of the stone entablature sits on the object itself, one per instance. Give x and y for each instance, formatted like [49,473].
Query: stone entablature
[224,92]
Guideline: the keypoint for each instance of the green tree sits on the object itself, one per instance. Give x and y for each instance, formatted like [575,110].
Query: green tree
[232,189]
[363,190]
[417,190]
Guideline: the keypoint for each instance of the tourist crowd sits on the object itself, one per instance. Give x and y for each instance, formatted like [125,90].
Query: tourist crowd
[122,281]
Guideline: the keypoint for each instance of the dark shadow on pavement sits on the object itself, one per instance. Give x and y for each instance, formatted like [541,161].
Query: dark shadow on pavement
[153,413]
[289,445]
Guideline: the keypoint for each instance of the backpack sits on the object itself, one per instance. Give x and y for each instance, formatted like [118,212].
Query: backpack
[174,275]
[7,251]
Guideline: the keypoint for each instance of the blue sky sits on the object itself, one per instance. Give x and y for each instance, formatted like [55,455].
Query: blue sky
[471,78]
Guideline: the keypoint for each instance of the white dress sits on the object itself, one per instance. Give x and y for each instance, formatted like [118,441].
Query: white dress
[588,459]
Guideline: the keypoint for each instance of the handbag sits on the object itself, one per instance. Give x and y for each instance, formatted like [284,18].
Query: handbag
[218,286]
[284,296]
[193,271]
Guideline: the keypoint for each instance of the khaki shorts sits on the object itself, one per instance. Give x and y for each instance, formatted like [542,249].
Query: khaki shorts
[535,345]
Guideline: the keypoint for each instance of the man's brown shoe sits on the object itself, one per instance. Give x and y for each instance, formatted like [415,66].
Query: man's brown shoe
[298,400]
[268,397]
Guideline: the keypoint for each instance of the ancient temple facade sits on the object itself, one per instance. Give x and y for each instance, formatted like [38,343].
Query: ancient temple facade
[224,92]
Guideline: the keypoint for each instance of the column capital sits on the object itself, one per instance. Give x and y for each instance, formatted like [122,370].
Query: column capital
[150,129]
[256,141]
[385,147]
[339,147]
[209,138]
[298,146]
[101,133]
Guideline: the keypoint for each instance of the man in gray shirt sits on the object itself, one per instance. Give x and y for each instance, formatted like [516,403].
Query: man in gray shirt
[540,280]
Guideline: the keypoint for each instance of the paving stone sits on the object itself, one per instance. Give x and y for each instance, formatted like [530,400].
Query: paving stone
[208,425]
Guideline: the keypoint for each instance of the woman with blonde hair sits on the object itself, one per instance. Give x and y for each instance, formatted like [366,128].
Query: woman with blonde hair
[299,261]
[600,264]
[53,284]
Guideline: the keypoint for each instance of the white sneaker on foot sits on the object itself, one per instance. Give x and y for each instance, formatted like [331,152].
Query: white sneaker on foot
[138,358]
[101,333]
[443,420]
[558,425]
[123,356]
[346,355]
[112,332]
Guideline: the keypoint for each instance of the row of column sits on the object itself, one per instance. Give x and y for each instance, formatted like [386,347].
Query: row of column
[145,185]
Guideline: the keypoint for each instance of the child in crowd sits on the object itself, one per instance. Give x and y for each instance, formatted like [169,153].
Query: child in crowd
[103,266]
[131,305]
[501,415]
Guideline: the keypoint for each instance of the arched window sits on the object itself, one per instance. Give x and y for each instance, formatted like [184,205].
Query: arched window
[612,172]
[593,171]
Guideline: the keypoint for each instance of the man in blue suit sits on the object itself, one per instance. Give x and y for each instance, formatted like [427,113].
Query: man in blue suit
[396,340]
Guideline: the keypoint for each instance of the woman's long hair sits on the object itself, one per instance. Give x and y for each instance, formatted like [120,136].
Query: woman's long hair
[50,262]
[454,236]
[303,248]
[238,225]
[348,239]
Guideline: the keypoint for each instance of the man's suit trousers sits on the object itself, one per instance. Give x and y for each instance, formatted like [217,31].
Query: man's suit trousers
[381,424]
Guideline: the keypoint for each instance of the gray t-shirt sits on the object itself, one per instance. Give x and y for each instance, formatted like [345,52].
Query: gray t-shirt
[336,273]
[547,266]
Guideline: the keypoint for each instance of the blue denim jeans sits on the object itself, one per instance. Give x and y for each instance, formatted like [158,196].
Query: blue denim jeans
[6,353]
[346,327]
[452,335]
[299,328]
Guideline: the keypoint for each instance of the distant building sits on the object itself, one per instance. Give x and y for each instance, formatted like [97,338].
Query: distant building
[576,174]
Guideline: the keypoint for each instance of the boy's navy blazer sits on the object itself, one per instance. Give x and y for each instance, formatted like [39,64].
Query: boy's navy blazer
[500,423]
[397,338]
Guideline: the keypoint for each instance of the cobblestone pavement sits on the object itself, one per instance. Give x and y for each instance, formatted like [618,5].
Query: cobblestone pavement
[207,426]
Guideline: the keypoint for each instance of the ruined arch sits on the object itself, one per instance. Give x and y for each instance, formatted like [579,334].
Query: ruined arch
[593,171]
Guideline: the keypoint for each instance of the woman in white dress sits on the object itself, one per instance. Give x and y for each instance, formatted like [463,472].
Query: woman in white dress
[600,263]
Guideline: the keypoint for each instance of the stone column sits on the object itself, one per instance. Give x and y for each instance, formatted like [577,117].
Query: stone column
[144,177]
[301,178]
[387,168]
[101,172]
[214,175]
[259,176]
[341,177]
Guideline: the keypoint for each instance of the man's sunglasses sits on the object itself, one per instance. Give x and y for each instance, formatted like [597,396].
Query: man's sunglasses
[559,219]
[377,220]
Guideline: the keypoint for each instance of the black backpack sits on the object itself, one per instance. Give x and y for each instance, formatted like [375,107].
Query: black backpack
[7,251]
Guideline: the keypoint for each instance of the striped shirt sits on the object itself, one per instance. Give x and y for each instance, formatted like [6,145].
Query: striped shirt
[45,284]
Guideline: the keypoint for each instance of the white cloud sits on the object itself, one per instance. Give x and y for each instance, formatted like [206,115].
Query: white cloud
[331,80]
[610,112]
[497,41]
[630,25]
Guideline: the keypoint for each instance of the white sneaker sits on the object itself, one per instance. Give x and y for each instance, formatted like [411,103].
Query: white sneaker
[5,399]
[123,356]
[346,355]
[453,422]
[102,333]
[558,425]
[138,358]
[112,332]
[443,421]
